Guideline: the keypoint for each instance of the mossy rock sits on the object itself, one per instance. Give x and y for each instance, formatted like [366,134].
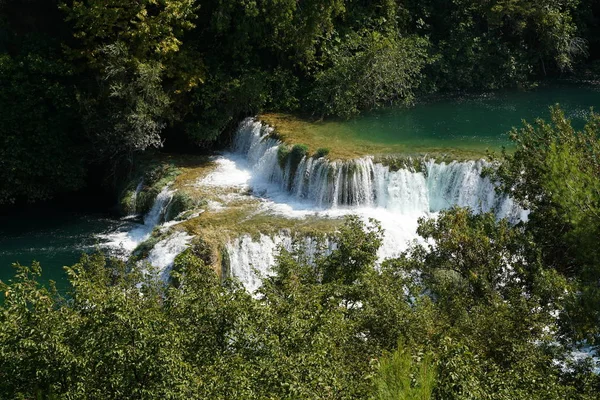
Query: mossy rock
[165,172]
[128,201]
[298,152]
[127,205]
[143,249]
[225,262]
[146,199]
[204,250]
[283,153]
[414,164]
[180,203]
[155,180]
[321,152]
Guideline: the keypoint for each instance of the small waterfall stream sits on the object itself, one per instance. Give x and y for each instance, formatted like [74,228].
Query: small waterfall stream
[250,260]
[134,197]
[122,243]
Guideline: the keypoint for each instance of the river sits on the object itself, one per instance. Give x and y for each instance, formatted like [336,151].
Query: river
[396,198]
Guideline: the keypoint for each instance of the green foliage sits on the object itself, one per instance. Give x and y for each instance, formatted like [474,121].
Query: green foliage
[283,153]
[96,82]
[180,203]
[555,173]
[127,205]
[369,71]
[40,151]
[156,177]
[222,102]
[131,48]
[291,157]
[298,152]
[517,40]
[321,152]
[324,326]
[401,378]
[143,249]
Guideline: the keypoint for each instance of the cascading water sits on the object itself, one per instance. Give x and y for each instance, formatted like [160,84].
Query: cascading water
[250,260]
[363,183]
[134,197]
[123,243]
[396,198]
[162,256]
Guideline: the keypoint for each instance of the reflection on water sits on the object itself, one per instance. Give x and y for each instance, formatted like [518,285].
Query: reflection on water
[467,122]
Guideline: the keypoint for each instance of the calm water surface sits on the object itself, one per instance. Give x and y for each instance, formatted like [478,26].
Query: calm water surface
[474,122]
[53,238]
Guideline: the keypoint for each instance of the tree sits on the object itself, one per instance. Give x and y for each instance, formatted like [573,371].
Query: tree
[369,70]
[123,333]
[133,50]
[554,172]
[41,151]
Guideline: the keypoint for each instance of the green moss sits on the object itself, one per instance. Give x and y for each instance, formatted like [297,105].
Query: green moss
[282,155]
[225,262]
[146,198]
[180,203]
[161,174]
[126,202]
[185,215]
[143,249]
[343,146]
[293,156]
[275,135]
[395,163]
[321,152]
[155,175]
[298,152]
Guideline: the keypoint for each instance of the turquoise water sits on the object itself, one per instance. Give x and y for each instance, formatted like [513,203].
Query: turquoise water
[55,239]
[474,122]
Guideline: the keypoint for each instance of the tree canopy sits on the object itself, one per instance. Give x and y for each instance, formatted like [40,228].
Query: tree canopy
[130,76]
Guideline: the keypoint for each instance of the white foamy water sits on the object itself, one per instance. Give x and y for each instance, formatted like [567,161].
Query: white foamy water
[362,183]
[321,188]
[124,242]
[250,260]
[227,174]
[162,256]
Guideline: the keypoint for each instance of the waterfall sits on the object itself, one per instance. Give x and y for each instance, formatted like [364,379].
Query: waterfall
[159,208]
[162,255]
[250,260]
[363,183]
[134,197]
[124,242]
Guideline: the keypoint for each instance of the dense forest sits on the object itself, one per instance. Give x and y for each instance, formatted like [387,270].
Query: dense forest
[87,85]
[481,308]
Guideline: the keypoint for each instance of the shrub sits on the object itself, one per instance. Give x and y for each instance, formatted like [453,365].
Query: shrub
[298,152]
[282,155]
[321,152]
